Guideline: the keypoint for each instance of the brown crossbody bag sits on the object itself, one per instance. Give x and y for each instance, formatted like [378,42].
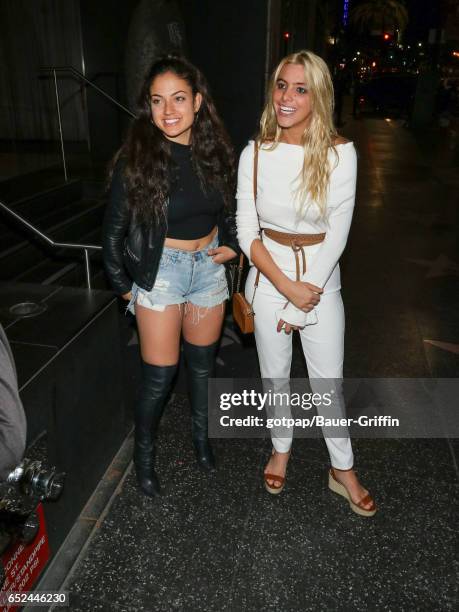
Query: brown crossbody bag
[243,313]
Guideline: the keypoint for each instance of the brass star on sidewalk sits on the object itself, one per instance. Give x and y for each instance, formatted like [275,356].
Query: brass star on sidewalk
[446,346]
[442,266]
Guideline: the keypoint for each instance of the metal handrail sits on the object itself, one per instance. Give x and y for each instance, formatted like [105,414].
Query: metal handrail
[81,76]
[73,71]
[67,245]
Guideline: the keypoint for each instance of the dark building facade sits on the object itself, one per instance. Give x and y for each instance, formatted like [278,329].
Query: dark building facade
[111,43]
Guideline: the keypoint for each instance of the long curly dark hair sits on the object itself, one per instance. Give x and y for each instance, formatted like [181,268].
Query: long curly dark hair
[146,152]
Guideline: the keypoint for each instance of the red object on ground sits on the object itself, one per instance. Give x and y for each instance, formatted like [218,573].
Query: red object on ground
[23,564]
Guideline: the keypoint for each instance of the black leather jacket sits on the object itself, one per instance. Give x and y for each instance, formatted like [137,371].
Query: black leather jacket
[132,250]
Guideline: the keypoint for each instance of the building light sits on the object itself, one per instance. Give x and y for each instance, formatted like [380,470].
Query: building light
[286,35]
[419,44]
[373,64]
[456,53]
[386,36]
[345,12]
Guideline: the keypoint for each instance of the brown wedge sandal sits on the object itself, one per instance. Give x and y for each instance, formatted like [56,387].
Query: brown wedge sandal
[274,490]
[359,507]
[277,488]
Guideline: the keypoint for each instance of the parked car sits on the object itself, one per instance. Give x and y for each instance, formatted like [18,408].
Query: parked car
[387,94]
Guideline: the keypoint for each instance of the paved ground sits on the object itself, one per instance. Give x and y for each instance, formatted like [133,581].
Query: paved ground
[222,543]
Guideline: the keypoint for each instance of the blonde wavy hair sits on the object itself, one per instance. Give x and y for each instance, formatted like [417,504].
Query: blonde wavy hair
[317,138]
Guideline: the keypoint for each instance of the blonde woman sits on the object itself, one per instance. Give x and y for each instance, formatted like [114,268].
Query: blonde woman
[306,176]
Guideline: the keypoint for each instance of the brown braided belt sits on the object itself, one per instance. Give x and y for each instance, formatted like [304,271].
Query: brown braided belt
[296,242]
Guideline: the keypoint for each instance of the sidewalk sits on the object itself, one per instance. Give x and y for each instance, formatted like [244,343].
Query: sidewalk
[221,542]
[440,145]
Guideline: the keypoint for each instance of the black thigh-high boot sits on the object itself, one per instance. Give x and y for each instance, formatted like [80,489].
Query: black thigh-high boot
[156,384]
[200,361]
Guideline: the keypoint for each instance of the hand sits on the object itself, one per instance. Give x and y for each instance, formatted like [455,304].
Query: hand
[127,296]
[287,327]
[303,295]
[221,254]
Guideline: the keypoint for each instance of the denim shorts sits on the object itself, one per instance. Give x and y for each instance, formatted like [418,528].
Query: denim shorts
[184,276]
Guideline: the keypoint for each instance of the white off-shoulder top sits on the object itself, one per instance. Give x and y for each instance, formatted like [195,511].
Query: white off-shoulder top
[279,170]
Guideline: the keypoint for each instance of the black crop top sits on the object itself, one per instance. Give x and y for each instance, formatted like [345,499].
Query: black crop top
[191,213]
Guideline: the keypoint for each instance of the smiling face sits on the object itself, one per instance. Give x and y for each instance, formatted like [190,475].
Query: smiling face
[173,106]
[292,102]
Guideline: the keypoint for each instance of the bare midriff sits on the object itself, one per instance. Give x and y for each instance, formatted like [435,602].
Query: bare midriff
[191,245]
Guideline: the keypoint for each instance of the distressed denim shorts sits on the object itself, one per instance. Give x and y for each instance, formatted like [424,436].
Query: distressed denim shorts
[184,277]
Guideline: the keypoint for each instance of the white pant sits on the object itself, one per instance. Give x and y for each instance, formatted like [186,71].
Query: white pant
[323,347]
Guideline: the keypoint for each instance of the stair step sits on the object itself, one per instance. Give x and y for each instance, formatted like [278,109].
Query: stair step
[19,258]
[26,185]
[66,267]
[45,223]
[34,207]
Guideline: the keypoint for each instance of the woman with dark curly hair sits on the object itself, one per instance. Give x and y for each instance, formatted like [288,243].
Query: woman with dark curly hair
[168,230]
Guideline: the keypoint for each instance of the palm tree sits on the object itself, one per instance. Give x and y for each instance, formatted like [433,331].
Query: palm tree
[380,14]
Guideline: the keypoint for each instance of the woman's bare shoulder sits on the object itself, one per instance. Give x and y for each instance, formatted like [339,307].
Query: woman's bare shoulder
[340,140]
